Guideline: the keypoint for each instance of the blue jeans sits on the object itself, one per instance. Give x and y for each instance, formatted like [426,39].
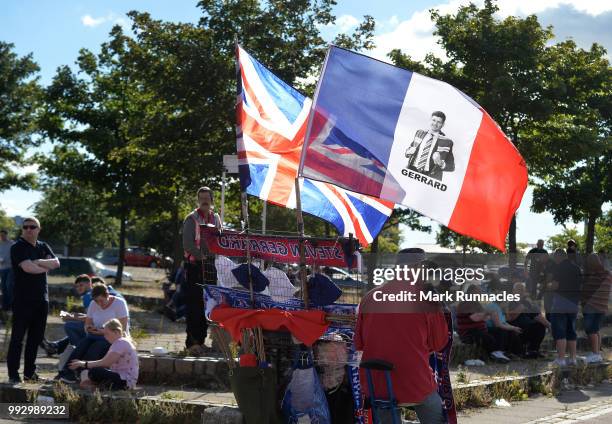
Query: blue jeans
[75,332]
[429,411]
[6,280]
[91,348]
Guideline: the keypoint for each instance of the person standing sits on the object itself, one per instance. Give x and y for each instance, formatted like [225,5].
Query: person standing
[535,264]
[404,334]
[594,299]
[199,268]
[6,275]
[31,260]
[566,285]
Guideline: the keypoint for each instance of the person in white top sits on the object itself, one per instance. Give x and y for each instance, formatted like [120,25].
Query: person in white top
[103,308]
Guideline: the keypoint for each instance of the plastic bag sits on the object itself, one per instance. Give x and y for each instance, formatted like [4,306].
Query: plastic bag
[304,401]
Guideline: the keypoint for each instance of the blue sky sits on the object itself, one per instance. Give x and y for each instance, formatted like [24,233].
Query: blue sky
[55,31]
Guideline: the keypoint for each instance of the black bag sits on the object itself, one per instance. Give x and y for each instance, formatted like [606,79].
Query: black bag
[255,392]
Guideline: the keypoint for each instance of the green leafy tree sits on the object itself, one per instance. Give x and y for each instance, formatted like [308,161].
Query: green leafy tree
[497,63]
[448,238]
[559,241]
[19,101]
[576,175]
[72,214]
[603,233]
[94,115]
[6,222]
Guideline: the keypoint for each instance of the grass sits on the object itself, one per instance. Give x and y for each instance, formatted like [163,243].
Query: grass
[96,408]
[138,333]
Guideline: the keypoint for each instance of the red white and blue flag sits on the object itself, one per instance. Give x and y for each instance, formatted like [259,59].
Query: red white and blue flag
[271,126]
[416,141]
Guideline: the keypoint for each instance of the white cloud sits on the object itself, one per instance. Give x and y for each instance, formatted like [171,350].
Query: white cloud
[414,36]
[346,22]
[89,21]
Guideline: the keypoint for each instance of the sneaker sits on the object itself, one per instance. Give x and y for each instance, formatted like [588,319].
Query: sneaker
[68,377]
[593,358]
[559,362]
[15,379]
[499,356]
[34,378]
[181,319]
[48,347]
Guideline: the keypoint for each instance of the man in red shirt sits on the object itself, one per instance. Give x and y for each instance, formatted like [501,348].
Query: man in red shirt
[403,332]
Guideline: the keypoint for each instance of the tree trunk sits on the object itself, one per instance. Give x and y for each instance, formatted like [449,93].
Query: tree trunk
[122,230]
[512,242]
[590,231]
[372,262]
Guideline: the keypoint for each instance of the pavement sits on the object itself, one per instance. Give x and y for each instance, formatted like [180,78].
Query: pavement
[592,405]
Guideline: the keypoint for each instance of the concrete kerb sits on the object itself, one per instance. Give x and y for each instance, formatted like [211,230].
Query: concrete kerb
[474,394]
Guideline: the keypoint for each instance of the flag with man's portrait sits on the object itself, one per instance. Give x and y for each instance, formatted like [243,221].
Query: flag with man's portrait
[416,141]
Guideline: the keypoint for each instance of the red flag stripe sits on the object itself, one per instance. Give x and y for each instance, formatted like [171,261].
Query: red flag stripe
[494,183]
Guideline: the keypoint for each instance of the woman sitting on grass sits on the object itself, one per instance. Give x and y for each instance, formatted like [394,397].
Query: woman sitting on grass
[118,370]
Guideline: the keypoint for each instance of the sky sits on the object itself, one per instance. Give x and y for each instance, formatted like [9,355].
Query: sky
[55,31]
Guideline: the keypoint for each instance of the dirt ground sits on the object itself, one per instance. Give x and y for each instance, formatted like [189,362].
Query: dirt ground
[145,282]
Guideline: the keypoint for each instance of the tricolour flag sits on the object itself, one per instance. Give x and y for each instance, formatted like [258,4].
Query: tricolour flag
[271,125]
[397,135]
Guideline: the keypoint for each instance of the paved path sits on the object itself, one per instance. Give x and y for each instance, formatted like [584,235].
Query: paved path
[590,405]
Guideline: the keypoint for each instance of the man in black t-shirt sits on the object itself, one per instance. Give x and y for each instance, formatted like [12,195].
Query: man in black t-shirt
[31,260]
[535,263]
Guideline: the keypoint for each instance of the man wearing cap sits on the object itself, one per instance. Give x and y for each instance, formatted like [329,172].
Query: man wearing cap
[404,333]
[31,260]
[199,268]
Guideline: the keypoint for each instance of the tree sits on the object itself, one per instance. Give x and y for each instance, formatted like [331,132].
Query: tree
[559,241]
[603,233]
[94,115]
[19,101]
[576,176]
[449,238]
[72,213]
[6,222]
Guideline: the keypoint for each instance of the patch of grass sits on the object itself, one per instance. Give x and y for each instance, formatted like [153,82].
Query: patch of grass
[138,333]
[462,376]
[510,390]
[171,395]
[73,304]
[96,409]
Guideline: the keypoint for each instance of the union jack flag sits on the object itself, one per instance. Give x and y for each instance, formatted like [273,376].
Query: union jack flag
[271,125]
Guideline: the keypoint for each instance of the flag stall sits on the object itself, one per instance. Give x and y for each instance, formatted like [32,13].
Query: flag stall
[374,136]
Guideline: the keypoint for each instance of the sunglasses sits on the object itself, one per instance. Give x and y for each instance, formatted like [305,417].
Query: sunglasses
[29,227]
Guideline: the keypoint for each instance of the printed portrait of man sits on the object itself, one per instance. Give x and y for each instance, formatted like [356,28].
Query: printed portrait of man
[431,152]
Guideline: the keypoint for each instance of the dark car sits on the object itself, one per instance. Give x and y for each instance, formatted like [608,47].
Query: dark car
[73,266]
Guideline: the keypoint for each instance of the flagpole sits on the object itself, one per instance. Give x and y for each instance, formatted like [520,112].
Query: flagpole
[244,201]
[298,197]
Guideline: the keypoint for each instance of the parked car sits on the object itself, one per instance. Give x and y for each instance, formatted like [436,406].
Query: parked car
[106,272]
[141,256]
[108,256]
[73,266]
[134,256]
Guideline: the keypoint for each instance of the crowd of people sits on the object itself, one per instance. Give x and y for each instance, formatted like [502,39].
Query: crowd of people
[554,290]
[97,349]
